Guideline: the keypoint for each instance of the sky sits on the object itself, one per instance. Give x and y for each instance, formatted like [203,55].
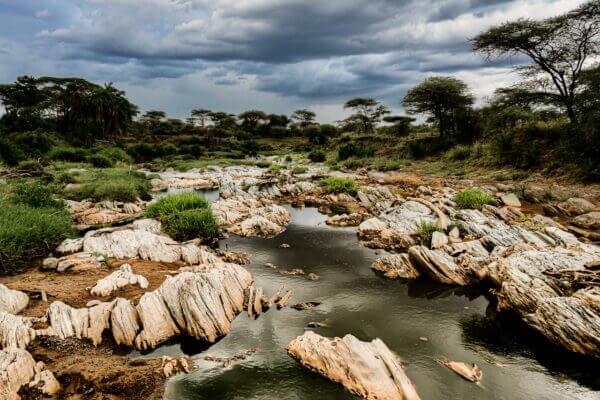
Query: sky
[274,55]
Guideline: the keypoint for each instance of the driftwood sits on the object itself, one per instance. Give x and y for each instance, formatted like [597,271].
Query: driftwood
[367,369]
[281,302]
[470,372]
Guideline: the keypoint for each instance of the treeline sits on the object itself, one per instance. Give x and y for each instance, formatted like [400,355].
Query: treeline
[549,119]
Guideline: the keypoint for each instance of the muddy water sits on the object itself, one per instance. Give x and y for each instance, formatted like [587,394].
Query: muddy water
[516,364]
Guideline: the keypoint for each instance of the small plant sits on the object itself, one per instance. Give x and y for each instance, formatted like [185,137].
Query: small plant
[459,152]
[317,156]
[113,184]
[425,230]
[116,154]
[275,168]
[65,153]
[101,161]
[175,203]
[299,170]
[473,198]
[339,185]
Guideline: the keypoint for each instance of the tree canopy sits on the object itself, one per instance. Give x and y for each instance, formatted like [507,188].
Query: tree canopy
[367,113]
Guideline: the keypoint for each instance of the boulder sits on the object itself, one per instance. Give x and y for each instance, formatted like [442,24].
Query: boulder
[510,200]
[122,277]
[15,331]
[576,206]
[18,369]
[589,220]
[12,301]
[367,369]
[396,266]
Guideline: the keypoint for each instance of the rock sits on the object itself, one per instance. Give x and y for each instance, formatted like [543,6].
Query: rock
[454,235]
[470,372]
[86,214]
[589,220]
[534,194]
[12,301]
[367,369]
[50,263]
[284,246]
[77,262]
[18,368]
[576,206]
[251,217]
[510,200]
[440,267]
[15,331]
[312,277]
[172,366]
[118,279]
[353,219]
[438,240]
[69,246]
[396,266]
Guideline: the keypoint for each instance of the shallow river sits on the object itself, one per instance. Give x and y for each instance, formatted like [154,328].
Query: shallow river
[516,364]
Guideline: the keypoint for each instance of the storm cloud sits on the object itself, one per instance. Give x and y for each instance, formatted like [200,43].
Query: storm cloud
[272,54]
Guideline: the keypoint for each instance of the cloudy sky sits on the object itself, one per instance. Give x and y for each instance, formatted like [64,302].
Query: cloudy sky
[275,55]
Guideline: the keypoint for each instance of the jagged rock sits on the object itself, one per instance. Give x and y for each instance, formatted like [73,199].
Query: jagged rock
[89,323]
[589,220]
[367,369]
[69,246]
[251,217]
[172,366]
[510,200]
[18,368]
[124,322]
[184,181]
[576,206]
[477,224]
[440,267]
[74,262]
[396,266]
[86,213]
[353,219]
[122,277]
[15,331]
[12,301]
[438,240]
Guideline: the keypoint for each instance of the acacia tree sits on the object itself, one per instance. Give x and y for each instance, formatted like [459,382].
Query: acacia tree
[439,97]
[367,113]
[400,124]
[559,49]
[304,117]
[251,119]
[202,115]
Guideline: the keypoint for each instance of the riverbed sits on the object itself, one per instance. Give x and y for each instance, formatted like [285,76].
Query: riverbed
[420,321]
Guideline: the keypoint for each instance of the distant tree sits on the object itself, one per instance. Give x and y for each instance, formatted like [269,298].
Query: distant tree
[202,115]
[440,98]
[559,49]
[304,117]
[152,119]
[251,119]
[222,120]
[367,112]
[400,124]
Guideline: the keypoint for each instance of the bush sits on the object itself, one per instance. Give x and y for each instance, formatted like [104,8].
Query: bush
[191,224]
[339,185]
[275,168]
[459,153]
[263,164]
[171,204]
[27,232]
[116,154]
[317,156]
[185,216]
[33,194]
[354,150]
[10,153]
[422,148]
[65,153]
[473,198]
[115,184]
[425,230]
[34,143]
[101,161]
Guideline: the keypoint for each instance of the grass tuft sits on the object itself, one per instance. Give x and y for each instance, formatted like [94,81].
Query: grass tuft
[339,185]
[473,198]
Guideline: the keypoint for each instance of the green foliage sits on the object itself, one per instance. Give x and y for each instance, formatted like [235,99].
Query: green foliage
[116,154]
[101,161]
[113,184]
[422,148]
[34,143]
[10,153]
[27,232]
[67,153]
[459,153]
[339,185]
[191,224]
[263,163]
[275,168]
[172,204]
[425,230]
[317,156]
[33,194]
[473,198]
[185,216]
[354,150]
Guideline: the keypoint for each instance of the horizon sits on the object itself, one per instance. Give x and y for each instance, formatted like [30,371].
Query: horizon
[277,56]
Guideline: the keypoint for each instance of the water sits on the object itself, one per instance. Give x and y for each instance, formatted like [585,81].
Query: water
[516,364]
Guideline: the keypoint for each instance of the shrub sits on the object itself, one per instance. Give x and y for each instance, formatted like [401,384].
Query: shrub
[388,165]
[339,185]
[185,216]
[10,153]
[116,154]
[191,224]
[354,150]
[171,204]
[31,165]
[317,156]
[473,198]
[34,143]
[65,153]
[115,184]
[275,168]
[422,148]
[354,163]
[101,161]
[459,152]
[425,231]
[263,164]
[27,232]
[33,194]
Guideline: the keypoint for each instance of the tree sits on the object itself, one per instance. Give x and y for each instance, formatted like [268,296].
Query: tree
[367,112]
[439,97]
[559,49]
[251,119]
[222,120]
[304,117]
[202,115]
[153,118]
[400,124]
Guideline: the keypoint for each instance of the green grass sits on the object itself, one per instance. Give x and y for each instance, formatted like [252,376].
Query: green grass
[473,198]
[171,204]
[185,216]
[33,194]
[111,184]
[339,185]
[425,230]
[27,232]
[275,168]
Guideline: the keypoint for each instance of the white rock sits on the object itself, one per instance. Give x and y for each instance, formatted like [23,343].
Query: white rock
[12,301]
[122,277]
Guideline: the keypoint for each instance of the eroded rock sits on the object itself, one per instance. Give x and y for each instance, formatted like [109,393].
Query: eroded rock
[122,277]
